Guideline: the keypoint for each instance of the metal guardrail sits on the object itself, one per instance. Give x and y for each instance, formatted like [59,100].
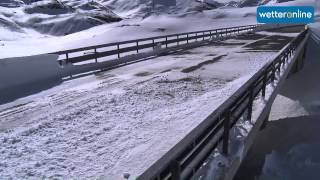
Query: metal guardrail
[137,45]
[186,157]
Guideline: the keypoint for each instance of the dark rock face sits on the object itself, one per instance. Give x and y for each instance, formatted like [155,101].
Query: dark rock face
[30,1]
[246,3]
[166,2]
[11,3]
[280,1]
[52,8]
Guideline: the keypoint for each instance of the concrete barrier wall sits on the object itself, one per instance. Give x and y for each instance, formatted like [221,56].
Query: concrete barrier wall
[15,72]
[289,27]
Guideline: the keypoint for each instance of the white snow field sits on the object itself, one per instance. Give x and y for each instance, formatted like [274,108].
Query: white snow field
[123,120]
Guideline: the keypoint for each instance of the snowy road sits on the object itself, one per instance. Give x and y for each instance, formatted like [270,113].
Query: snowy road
[124,119]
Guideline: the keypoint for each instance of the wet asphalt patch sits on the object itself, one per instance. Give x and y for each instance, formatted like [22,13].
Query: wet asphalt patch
[200,65]
[271,43]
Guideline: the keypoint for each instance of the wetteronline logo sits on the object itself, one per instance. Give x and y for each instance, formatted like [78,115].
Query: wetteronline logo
[285,14]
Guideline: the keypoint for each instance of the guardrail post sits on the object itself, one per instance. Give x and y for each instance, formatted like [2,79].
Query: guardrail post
[196,36]
[175,170]
[290,51]
[178,40]
[95,54]
[273,72]
[166,41]
[264,85]
[152,43]
[118,48]
[187,38]
[137,43]
[226,129]
[203,36]
[286,59]
[67,58]
[251,98]
[283,61]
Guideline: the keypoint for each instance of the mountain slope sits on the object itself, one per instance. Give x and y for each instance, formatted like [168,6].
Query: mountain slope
[55,17]
[63,17]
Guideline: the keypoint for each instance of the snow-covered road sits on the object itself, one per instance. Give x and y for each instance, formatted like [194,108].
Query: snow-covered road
[124,119]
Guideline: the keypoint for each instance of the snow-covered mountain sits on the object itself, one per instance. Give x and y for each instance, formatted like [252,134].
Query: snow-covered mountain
[178,6]
[61,17]
[54,17]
